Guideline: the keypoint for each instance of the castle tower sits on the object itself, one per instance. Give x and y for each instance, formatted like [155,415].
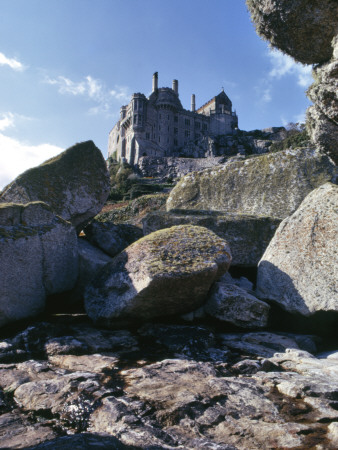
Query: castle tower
[155,81]
[175,87]
[193,104]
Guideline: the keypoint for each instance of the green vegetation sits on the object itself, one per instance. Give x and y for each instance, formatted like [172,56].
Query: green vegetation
[126,183]
[134,210]
[297,137]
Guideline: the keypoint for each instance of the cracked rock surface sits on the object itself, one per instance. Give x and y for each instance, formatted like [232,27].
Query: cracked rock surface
[165,386]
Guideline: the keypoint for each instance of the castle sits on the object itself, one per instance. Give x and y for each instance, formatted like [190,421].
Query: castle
[160,126]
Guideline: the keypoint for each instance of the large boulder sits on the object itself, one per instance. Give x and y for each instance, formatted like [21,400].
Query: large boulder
[299,268]
[39,257]
[248,236]
[167,272]
[268,185]
[301,28]
[75,184]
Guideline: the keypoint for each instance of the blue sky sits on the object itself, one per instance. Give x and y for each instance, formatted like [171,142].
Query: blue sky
[66,67]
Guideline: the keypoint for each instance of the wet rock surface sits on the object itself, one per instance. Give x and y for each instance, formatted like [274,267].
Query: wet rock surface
[165,385]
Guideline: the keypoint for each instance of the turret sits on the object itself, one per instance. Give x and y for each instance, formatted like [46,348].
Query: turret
[175,87]
[193,105]
[155,81]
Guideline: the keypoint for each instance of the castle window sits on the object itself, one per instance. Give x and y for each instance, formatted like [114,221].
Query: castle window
[187,133]
[147,135]
[159,139]
[176,119]
[168,116]
[197,125]
[175,130]
[135,119]
[167,140]
[168,127]
[186,121]
[205,126]
[175,142]
[159,127]
[160,116]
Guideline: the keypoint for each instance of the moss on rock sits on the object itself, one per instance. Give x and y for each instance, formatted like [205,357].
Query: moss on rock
[75,184]
[269,185]
[167,272]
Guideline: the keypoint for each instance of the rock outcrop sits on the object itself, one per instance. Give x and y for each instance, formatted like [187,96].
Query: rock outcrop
[39,257]
[308,32]
[268,185]
[299,28]
[75,184]
[167,272]
[322,117]
[248,236]
[299,268]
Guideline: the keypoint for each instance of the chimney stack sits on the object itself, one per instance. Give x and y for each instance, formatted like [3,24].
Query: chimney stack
[193,105]
[175,87]
[155,81]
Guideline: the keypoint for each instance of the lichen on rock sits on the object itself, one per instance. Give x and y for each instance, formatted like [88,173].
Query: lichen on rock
[299,268]
[167,272]
[268,185]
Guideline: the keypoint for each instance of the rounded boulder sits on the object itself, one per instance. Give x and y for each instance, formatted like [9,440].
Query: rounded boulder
[167,272]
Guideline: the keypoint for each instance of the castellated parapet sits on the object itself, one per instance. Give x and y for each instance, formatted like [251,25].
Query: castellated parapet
[160,126]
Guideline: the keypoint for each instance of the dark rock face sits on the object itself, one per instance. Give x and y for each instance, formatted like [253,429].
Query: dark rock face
[167,272]
[248,236]
[38,253]
[302,29]
[111,238]
[75,184]
[230,303]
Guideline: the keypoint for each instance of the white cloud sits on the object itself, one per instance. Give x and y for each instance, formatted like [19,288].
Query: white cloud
[92,89]
[284,65]
[281,66]
[17,156]
[300,118]
[11,62]
[6,121]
